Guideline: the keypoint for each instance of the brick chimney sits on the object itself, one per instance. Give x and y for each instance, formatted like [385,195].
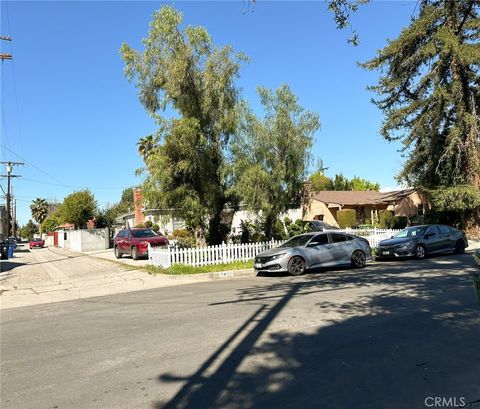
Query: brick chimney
[138,204]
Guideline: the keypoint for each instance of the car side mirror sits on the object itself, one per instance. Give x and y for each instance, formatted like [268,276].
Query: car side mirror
[428,235]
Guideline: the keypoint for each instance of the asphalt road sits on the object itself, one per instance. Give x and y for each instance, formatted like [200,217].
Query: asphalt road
[389,336]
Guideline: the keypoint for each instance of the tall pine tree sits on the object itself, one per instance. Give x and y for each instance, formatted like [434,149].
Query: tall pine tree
[429,91]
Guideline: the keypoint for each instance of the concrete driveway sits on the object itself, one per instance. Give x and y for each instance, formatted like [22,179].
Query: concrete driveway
[391,336]
[47,275]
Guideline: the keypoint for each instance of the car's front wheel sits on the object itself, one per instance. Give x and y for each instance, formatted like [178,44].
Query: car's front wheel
[296,266]
[134,253]
[420,252]
[117,252]
[460,247]
[358,259]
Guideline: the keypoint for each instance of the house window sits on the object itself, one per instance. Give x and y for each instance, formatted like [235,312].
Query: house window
[420,209]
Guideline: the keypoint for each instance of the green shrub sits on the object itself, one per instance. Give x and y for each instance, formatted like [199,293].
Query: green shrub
[185,238]
[287,221]
[148,224]
[279,231]
[181,233]
[346,218]
[156,228]
[295,229]
[139,225]
[398,222]
[385,219]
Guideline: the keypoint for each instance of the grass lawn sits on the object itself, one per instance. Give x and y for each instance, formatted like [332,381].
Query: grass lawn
[178,269]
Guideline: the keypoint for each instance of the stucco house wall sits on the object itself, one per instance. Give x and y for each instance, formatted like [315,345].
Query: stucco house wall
[317,209]
[408,206]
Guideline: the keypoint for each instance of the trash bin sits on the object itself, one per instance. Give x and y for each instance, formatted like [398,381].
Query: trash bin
[10,250]
[476,284]
[4,251]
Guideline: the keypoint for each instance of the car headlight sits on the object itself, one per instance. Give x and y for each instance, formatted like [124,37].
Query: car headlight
[276,256]
[407,244]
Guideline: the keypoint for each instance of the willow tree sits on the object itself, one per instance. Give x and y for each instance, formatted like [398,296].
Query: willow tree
[429,92]
[182,69]
[270,155]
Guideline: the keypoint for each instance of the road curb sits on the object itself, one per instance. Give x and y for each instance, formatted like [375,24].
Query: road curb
[218,275]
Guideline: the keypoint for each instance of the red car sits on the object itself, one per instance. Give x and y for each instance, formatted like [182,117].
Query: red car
[135,242]
[36,242]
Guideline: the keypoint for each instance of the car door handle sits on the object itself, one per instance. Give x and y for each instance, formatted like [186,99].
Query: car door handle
[329,247]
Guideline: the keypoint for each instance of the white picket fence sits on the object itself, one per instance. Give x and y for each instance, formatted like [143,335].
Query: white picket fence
[374,236]
[225,253]
[202,256]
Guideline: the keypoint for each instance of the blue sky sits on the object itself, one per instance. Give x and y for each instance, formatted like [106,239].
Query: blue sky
[69,112]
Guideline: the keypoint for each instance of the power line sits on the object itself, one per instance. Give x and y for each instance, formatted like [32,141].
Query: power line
[73,187]
[31,164]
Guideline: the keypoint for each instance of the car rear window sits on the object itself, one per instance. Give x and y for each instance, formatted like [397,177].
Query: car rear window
[338,238]
[138,234]
[444,229]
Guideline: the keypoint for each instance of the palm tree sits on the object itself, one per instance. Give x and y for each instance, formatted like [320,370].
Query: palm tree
[146,145]
[39,209]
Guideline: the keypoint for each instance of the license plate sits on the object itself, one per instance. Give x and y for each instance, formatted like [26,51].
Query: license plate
[258,266]
[385,253]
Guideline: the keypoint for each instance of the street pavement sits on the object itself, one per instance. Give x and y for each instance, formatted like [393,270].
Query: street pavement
[393,335]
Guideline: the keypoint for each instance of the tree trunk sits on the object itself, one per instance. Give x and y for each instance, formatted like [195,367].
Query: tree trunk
[269,224]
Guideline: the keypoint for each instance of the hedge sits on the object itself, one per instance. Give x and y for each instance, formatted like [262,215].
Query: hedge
[347,218]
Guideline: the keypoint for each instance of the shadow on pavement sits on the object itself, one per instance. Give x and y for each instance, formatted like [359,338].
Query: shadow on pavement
[416,339]
[7,265]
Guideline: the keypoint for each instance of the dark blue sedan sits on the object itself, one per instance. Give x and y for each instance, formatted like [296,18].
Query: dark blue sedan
[418,241]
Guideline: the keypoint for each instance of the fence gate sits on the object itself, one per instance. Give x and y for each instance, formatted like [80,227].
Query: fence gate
[55,239]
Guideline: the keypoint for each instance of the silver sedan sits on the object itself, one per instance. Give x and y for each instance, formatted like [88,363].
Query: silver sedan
[315,249]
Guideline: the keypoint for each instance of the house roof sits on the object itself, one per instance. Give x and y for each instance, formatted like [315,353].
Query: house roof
[362,197]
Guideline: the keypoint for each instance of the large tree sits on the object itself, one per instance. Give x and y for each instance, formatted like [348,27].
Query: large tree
[39,209]
[29,230]
[429,92]
[270,156]
[183,69]
[78,208]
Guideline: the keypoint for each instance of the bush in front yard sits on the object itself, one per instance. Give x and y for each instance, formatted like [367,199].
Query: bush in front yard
[346,218]
[385,219]
[279,231]
[185,238]
[398,222]
[148,224]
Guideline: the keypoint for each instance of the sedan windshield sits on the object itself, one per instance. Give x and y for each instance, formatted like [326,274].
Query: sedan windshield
[297,241]
[411,232]
[139,234]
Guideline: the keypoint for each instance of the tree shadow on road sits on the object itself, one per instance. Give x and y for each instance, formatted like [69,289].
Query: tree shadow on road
[416,339]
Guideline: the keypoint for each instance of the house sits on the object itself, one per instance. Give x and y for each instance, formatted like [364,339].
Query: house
[165,218]
[367,204]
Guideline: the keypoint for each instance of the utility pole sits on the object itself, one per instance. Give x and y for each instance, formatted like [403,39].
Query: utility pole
[9,175]
[6,56]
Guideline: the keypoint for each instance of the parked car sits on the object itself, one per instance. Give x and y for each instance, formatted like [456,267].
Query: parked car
[419,241]
[310,250]
[36,242]
[318,225]
[135,242]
